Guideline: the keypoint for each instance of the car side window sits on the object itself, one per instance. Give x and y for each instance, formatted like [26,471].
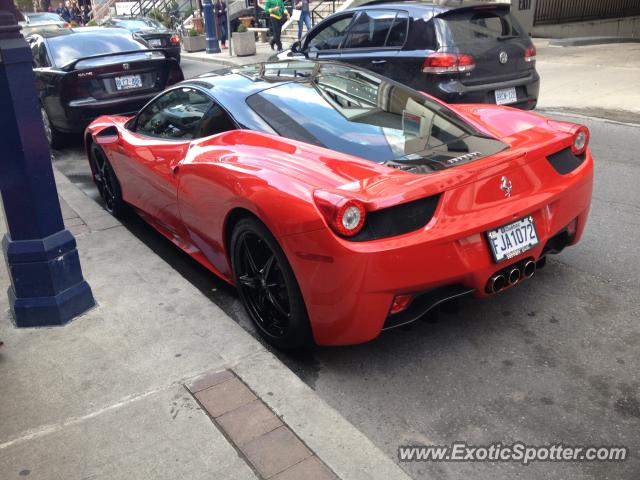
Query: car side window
[176,115]
[39,53]
[331,36]
[370,29]
[216,121]
[398,33]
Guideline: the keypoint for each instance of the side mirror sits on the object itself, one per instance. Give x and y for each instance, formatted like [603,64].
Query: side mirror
[107,136]
[296,47]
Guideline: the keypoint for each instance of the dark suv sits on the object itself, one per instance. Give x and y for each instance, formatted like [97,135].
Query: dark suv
[464,54]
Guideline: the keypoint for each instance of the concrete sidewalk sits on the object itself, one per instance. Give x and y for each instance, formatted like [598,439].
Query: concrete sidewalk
[595,80]
[263,52]
[158,383]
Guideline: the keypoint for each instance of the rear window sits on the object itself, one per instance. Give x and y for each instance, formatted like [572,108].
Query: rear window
[138,24]
[354,112]
[468,26]
[65,49]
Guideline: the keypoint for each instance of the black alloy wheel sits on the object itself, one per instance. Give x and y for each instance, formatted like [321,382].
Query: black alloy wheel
[267,286]
[106,181]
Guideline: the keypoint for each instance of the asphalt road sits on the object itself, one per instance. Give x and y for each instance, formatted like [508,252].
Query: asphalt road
[555,360]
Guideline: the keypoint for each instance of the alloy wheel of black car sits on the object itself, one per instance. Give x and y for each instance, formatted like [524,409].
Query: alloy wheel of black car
[53,136]
[106,181]
[267,286]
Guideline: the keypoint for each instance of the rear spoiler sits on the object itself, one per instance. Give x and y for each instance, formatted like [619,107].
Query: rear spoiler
[71,66]
[472,7]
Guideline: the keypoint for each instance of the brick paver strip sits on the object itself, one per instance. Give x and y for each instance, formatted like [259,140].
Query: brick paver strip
[209,380]
[248,422]
[309,469]
[224,397]
[275,451]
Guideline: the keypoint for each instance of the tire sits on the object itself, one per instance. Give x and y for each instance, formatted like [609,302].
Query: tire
[268,287]
[54,137]
[106,181]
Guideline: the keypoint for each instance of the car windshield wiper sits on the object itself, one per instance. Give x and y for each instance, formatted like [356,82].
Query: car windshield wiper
[507,37]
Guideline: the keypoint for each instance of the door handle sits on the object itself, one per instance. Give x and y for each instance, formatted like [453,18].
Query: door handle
[376,62]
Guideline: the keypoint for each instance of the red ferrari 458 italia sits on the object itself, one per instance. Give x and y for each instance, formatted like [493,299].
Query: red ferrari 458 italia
[341,203]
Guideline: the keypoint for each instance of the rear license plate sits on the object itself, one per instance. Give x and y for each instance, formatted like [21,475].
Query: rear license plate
[512,239]
[155,42]
[506,95]
[128,82]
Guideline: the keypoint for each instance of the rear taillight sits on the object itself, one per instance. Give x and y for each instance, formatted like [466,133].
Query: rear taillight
[175,39]
[345,216]
[580,140]
[448,63]
[530,54]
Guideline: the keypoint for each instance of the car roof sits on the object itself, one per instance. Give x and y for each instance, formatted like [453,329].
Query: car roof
[417,5]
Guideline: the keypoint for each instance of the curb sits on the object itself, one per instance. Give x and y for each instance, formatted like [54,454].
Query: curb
[340,445]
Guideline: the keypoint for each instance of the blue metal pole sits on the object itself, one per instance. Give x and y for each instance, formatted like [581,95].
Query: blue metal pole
[47,286]
[209,26]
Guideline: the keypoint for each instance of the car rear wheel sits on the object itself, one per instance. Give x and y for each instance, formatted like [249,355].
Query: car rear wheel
[54,137]
[267,286]
[106,181]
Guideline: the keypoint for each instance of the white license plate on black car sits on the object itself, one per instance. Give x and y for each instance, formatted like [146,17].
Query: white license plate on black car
[155,42]
[512,239]
[506,95]
[128,82]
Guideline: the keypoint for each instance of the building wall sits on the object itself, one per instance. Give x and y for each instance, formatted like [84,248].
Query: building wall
[615,27]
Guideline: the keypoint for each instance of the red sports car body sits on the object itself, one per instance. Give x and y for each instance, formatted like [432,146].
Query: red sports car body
[334,237]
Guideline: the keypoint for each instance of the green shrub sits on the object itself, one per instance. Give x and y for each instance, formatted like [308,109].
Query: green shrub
[92,23]
[193,32]
[242,28]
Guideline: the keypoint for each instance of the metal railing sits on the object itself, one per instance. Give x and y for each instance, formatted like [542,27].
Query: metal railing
[327,7]
[565,11]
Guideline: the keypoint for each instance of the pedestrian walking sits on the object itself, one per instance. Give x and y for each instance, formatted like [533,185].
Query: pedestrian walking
[305,16]
[220,10]
[64,12]
[277,16]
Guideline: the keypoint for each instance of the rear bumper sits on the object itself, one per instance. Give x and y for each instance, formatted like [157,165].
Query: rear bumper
[80,114]
[349,287]
[527,90]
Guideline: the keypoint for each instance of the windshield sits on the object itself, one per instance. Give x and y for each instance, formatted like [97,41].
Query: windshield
[138,24]
[67,48]
[357,113]
[44,17]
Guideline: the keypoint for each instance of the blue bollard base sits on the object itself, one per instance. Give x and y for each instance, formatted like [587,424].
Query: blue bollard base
[47,286]
[51,311]
[212,45]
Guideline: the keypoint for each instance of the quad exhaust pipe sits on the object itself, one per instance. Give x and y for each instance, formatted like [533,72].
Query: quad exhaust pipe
[500,280]
[514,276]
[529,269]
[496,283]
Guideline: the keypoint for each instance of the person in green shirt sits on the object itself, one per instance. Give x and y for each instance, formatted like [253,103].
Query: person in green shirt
[277,16]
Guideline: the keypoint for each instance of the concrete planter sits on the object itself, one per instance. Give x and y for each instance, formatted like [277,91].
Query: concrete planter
[194,44]
[244,44]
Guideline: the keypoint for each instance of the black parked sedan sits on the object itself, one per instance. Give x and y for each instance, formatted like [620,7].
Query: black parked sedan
[156,35]
[83,73]
[469,53]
